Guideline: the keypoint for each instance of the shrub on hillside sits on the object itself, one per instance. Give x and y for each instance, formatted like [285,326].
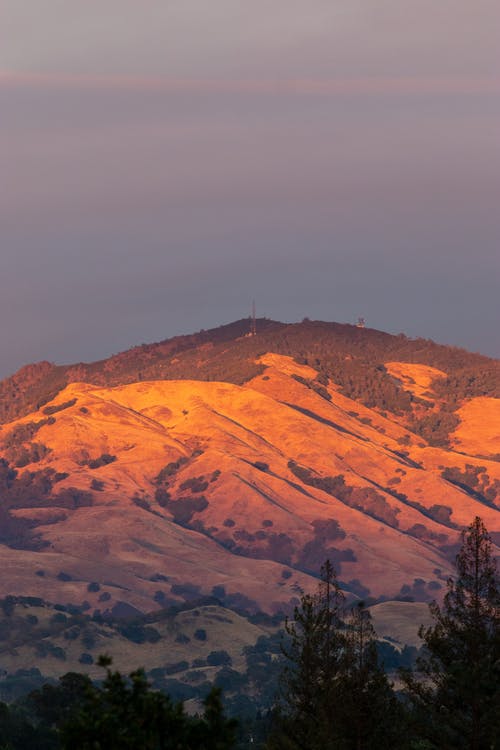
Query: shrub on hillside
[219,659]
[195,484]
[49,410]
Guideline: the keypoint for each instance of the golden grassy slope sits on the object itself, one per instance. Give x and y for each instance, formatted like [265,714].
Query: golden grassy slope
[225,630]
[416,379]
[249,434]
[479,430]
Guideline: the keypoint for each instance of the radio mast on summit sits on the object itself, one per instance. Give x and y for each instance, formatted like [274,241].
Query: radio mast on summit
[253,321]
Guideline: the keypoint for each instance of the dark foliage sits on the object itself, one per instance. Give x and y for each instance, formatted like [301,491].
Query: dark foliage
[139,633]
[366,499]
[475,481]
[335,694]
[18,733]
[95,463]
[24,433]
[32,489]
[219,658]
[170,470]
[194,485]
[125,713]
[457,703]
[184,508]
[49,410]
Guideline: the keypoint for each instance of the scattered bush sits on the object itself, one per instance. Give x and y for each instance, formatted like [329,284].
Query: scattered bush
[162,497]
[366,499]
[103,460]
[189,591]
[179,666]
[170,469]
[184,508]
[138,633]
[219,659]
[195,485]
[59,407]
[29,453]
[86,658]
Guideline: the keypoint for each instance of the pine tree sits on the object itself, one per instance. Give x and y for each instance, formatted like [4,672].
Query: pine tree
[371,715]
[336,695]
[314,654]
[126,714]
[457,693]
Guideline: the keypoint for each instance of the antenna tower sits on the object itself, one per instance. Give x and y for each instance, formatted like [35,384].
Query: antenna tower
[361,323]
[253,323]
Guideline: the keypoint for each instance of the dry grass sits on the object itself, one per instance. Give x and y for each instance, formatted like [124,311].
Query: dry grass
[479,429]
[400,621]
[236,430]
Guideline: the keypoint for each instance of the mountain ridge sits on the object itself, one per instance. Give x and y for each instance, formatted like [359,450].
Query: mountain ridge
[164,489]
[204,356]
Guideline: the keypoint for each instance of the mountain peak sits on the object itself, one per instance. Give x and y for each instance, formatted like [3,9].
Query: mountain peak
[228,353]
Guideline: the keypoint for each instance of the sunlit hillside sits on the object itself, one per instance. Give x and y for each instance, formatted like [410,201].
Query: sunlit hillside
[162,490]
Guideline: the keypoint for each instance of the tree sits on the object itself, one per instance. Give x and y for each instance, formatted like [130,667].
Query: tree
[458,689]
[18,733]
[125,714]
[370,713]
[314,654]
[52,704]
[335,694]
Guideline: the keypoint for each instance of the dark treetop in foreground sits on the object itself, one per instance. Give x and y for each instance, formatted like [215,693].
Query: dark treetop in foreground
[457,703]
[335,694]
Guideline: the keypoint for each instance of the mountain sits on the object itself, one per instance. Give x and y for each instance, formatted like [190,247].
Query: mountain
[228,465]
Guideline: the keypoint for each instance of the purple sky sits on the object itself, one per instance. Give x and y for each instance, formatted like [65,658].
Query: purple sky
[163,163]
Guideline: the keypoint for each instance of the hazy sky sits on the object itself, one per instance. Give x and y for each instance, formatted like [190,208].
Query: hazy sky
[162,163]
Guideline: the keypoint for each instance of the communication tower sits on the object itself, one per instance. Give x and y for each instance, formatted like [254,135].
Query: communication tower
[253,321]
[360,323]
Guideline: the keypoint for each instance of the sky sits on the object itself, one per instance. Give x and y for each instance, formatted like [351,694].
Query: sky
[165,162]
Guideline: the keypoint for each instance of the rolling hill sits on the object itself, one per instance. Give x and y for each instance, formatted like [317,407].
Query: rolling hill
[228,465]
